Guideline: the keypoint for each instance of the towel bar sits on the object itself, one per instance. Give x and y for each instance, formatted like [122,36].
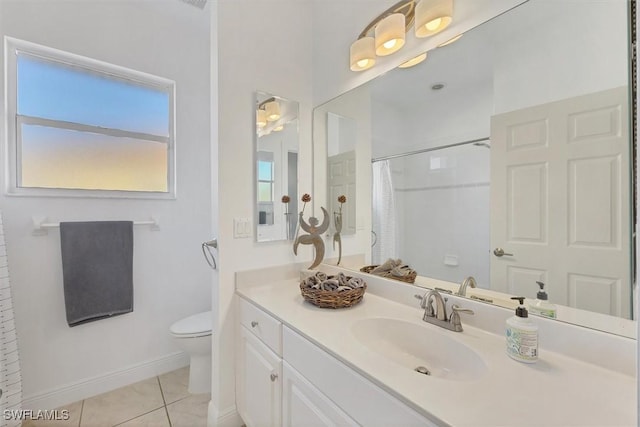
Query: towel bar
[40,227]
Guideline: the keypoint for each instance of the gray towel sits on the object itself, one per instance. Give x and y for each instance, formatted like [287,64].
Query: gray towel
[97,266]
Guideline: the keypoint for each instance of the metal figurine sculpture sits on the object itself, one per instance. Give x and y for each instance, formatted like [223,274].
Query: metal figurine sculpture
[337,218]
[313,238]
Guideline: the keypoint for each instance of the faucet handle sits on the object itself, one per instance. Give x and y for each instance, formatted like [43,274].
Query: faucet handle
[454,319]
[457,309]
[422,298]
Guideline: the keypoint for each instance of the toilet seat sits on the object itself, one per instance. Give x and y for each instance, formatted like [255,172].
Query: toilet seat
[198,325]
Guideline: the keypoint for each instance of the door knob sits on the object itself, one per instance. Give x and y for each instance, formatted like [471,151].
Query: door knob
[274,377]
[499,252]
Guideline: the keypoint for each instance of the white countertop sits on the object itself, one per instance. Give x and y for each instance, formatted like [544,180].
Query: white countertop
[555,391]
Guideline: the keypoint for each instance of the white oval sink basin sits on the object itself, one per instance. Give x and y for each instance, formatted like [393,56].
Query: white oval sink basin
[411,345]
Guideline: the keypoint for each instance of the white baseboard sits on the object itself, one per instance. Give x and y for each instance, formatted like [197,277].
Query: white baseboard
[83,389]
[228,417]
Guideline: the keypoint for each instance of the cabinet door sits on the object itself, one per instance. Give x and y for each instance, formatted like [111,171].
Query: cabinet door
[305,405]
[259,393]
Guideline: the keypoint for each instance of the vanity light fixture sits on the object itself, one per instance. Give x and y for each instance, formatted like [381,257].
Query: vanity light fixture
[433,16]
[363,54]
[386,34]
[414,61]
[390,34]
[383,36]
[278,128]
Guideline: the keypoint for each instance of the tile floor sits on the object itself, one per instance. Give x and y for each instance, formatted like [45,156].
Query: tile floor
[161,401]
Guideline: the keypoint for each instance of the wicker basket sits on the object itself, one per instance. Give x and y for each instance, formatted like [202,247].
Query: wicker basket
[409,278]
[332,299]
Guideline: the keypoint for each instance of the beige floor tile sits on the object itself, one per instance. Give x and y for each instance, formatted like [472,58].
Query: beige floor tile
[74,418]
[175,385]
[121,405]
[190,412]
[157,418]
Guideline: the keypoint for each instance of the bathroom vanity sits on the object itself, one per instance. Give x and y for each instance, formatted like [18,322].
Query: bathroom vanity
[302,365]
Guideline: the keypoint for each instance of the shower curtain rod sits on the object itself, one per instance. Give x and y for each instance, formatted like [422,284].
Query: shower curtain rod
[426,150]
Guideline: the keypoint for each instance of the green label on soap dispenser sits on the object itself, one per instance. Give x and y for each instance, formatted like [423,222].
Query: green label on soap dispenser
[522,345]
[546,312]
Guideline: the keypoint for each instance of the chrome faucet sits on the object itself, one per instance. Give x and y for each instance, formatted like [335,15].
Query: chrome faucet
[438,316]
[440,312]
[469,281]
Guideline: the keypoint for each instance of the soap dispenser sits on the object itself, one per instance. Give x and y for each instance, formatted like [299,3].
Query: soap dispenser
[541,306]
[522,335]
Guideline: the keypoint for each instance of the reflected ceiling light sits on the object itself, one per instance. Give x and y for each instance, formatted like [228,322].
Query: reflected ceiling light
[390,34]
[278,128]
[261,118]
[433,16]
[451,40]
[362,54]
[272,110]
[414,61]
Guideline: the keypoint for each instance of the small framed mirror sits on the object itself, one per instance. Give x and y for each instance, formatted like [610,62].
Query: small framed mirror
[276,167]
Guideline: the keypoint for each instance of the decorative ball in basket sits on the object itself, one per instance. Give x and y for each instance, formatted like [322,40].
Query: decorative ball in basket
[337,291]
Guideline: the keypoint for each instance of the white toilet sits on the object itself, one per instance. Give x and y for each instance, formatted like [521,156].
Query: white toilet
[193,335]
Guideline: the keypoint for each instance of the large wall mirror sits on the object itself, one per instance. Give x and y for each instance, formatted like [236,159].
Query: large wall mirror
[276,167]
[507,156]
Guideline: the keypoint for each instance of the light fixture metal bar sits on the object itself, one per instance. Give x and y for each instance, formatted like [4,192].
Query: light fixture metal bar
[426,150]
[406,7]
[263,103]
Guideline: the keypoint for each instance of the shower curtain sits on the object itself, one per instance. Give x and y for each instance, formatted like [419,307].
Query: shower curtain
[10,377]
[384,214]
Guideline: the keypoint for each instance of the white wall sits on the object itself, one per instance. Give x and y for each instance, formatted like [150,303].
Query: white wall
[443,213]
[565,50]
[266,46]
[171,280]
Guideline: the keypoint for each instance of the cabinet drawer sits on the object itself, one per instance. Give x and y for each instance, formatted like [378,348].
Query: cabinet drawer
[262,325]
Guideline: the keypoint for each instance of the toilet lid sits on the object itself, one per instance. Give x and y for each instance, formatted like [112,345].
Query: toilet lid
[196,325]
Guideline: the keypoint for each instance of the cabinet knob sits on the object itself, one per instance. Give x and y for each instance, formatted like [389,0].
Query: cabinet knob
[274,377]
[254,323]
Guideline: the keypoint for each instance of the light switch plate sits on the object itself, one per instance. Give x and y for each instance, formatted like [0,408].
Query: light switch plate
[241,228]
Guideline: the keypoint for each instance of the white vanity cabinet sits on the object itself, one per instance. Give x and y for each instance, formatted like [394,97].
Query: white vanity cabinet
[304,405]
[259,368]
[284,379]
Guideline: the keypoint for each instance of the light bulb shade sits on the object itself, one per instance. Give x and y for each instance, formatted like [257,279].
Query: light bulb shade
[261,118]
[272,110]
[362,54]
[432,16]
[390,34]
[414,61]
[278,128]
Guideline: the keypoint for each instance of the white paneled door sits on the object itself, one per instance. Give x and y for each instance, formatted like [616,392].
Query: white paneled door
[560,205]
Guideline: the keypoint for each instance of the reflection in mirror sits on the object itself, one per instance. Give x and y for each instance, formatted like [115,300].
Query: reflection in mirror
[341,170]
[276,163]
[506,156]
